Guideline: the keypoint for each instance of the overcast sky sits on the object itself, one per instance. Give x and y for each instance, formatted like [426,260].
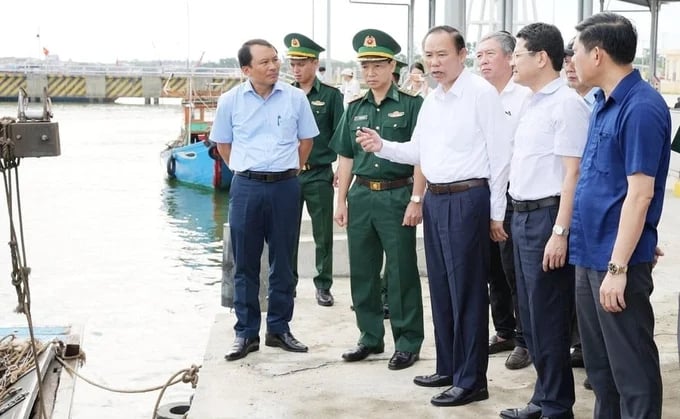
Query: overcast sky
[180,29]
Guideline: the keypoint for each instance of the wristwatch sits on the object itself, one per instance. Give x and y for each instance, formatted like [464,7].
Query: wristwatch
[417,199]
[558,230]
[615,269]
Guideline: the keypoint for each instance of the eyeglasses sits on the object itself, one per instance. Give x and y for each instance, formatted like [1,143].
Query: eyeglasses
[517,54]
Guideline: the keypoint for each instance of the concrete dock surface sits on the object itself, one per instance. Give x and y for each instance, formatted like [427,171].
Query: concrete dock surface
[272,383]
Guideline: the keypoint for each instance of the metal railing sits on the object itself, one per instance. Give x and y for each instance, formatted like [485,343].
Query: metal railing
[117,70]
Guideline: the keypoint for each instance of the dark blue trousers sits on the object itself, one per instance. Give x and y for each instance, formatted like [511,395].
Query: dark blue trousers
[622,360]
[260,211]
[456,232]
[545,304]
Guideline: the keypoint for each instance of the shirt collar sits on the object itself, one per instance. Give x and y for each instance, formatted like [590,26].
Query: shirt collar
[624,86]
[552,87]
[315,86]
[248,87]
[392,93]
[457,87]
[590,97]
[509,87]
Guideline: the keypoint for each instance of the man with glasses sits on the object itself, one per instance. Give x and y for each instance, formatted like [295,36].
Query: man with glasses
[494,55]
[548,145]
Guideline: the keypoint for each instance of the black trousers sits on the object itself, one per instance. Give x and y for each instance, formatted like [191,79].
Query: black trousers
[503,288]
[622,360]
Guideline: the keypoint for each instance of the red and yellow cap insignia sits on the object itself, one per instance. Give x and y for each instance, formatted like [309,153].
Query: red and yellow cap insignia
[369,41]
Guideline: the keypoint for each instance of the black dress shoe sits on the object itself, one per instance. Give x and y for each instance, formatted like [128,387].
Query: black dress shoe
[285,341]
[519,358]
[242,347]
[530,411]
[497,345]
[324,297]
[457,396]
[361,352]
[402,359]
[577,358]
[434,380]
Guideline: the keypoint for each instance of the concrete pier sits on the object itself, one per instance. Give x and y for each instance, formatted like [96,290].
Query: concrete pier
[272,383]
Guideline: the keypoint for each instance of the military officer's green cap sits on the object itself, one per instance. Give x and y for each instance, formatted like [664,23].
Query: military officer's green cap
[301,47]
[374,45]
[397,68]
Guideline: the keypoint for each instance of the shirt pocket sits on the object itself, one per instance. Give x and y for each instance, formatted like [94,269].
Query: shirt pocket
[287,126]
[396,129]
[604,148]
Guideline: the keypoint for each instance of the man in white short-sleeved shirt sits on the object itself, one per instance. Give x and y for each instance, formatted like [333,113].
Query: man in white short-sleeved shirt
[544,169]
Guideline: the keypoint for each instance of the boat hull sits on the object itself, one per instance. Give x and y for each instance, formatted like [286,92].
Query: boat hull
[193,164]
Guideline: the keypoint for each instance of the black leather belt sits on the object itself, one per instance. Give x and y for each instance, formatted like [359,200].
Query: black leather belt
[383,185]
[524,206]
[454,187]
[268,176]
[308,166]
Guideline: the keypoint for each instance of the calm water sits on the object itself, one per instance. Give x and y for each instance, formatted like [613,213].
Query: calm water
[116,249]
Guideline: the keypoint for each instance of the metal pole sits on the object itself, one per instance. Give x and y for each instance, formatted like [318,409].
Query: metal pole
[654,8]
[329,65]
[587,8]
[454,15]
[410,43]
[508,15]
[601,5]
[432,13]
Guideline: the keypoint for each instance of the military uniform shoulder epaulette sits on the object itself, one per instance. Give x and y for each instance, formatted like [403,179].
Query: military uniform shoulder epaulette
[328,85]
[409,92]
[355,100]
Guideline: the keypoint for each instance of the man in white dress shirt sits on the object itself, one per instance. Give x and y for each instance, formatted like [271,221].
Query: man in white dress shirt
[462,142]
[547,150]
[494,54]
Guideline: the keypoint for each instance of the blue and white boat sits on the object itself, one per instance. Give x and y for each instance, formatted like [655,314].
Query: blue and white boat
[192,158]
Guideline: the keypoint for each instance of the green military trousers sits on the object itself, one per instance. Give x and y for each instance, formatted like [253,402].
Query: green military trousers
[317,193]
[375,227]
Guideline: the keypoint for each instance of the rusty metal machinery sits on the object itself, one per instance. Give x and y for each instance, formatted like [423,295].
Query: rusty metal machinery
[32,133]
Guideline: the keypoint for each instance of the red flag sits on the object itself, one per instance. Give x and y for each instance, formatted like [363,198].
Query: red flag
[46,51]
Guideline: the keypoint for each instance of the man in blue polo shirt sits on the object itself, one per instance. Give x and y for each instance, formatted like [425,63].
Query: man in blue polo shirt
[617,207]
[264,130]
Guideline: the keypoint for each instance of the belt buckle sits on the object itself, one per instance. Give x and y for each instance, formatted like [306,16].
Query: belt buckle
[374,185]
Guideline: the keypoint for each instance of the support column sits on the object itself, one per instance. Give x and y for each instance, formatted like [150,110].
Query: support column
[585,9]
[507,10]
[432,13]
[454,15]
[654,8]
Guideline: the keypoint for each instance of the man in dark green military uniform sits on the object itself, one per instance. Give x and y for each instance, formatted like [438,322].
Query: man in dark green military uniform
[316,178]
[382,208]
[396,74]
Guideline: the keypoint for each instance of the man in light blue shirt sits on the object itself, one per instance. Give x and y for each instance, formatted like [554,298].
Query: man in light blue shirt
[264,131]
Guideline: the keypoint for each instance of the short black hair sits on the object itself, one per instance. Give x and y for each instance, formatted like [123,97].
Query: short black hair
[611,32]
[544,37]
[417,65]
[456,36]
[245,57]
